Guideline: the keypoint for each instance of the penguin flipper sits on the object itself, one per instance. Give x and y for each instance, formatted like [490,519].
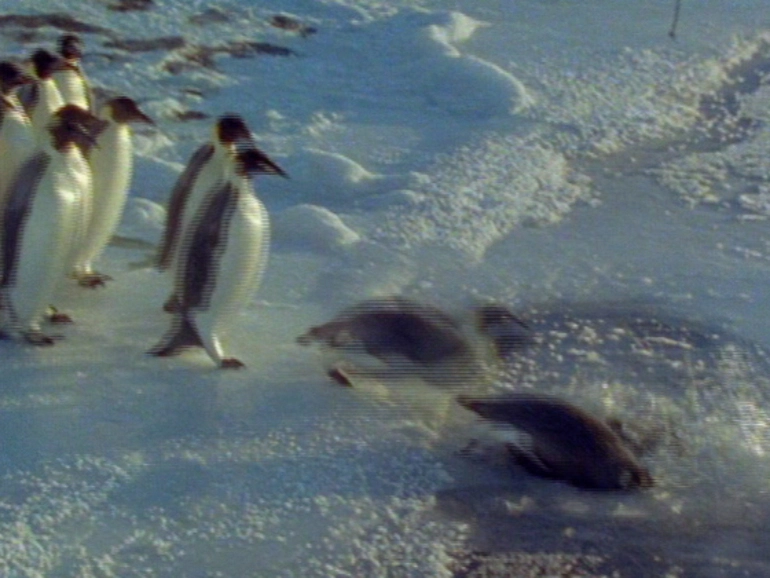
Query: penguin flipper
[182,335]
[176,204]
[28,96]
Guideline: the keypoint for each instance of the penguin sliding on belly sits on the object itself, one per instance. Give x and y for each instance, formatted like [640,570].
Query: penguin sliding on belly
[40,222]
[220,260]
[566,442]
[111,160]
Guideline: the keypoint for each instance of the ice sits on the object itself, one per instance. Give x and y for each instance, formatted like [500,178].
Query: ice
[565,159]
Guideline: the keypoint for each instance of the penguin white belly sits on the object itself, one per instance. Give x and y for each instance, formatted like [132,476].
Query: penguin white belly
[79,179]
[45,242]
[239,267]
[233,271]
[49,100]
[111,165]
[17,143]
[72,87]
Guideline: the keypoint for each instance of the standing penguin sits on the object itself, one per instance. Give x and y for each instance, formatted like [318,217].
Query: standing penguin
[69,76]
[16,138]
[43,97]
[221,260]
[210,164]
[40,221]
[111,160]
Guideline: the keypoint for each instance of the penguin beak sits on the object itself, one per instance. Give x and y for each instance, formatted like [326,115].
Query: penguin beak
[85,135]
[62,64]
[256,162]
[141,117]
[23,79]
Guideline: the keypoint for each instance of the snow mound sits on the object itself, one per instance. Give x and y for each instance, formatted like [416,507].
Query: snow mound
[142,219]
[312,227]
[326,176]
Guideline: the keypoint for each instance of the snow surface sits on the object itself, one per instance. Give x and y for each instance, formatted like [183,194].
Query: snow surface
[563,157]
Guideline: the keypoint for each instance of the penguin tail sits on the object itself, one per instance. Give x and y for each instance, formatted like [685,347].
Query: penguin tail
[181,336]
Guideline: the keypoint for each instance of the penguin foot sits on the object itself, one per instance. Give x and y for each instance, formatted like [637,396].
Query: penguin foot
[93,280]
[56,316]
[340,375]
[39,338]
[171,305]
[231,363]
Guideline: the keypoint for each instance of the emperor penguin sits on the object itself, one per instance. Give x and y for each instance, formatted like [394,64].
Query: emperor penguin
[221,261]
[211,164]
[407,338]
[16,138]
[43,97]
[566,442]
[40,222]
[70,79]
[111,160]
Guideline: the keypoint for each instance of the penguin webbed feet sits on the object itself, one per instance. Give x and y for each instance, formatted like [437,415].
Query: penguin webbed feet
[36,337]
[340,374]
[172,304]
[92,280]
[56,316]
[231,363]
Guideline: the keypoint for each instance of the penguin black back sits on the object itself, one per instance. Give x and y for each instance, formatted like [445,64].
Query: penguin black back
[567,442]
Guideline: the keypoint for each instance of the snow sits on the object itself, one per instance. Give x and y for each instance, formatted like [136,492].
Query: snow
[563,158]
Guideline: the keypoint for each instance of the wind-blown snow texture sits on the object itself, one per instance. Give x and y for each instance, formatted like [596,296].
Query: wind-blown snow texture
[564,158]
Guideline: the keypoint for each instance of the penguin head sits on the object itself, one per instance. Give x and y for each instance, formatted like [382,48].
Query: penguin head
[232,130]
[71,47]
[74,125]
[45,64]
[124,110]
[507,332]
[252,161]
[11,76]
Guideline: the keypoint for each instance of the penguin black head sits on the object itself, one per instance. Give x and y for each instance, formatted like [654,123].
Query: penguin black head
[11,76]
[71,47]
[231,129]
[124,110]
[74,125]
[252,161]
[45,63]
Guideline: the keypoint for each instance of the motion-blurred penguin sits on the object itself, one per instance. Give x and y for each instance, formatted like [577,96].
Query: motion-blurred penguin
[566,442]
[406,339]
[221,260]
[16,138]
[69,76]
[42,98]
[211,164]
[111,160]
[40,222]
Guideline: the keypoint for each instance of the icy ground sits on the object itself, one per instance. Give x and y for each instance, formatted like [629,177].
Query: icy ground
[562,157]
